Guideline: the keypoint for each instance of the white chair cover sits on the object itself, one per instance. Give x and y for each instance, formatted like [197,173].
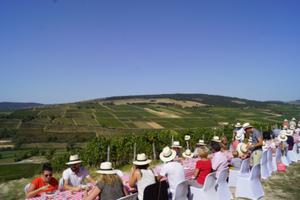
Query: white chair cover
[269,161]
[222,186]
[233,174]
[182,190]
[250,187]
[264,165]
[208,192]
[292,154]
[26,187]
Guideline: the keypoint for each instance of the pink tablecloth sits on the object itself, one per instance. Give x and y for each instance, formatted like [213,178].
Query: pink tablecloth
[64,195]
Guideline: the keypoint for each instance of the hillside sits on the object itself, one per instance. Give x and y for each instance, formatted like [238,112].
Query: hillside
[17,105]
[77,122]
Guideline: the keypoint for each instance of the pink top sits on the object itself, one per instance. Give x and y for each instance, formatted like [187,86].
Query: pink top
[235,144]
[219,162]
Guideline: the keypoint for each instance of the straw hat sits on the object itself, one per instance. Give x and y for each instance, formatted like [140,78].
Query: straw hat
[242,148]
[106,168]
[201,143]
[238,125]
[74,159]
[187,137]
[294,119]
[176,144]
[247,125]
[187,154]
[282,137]
[141,159]
[285,120]
[289,132]
[216,139]
[167,154]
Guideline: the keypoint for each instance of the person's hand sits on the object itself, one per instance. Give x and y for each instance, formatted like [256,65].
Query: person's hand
[45,187]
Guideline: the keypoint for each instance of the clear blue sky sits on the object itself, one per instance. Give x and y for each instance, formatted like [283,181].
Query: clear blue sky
[55,51]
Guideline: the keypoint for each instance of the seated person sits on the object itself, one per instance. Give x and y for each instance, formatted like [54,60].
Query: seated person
[141,175]
[44,183]
[219,159]
[203,168]
[109,184]
[177,148]
[200,145]
[236,162]
[187,154]
[73,176]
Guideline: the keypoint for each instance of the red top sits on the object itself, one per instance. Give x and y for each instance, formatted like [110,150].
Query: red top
[205,168]
[38,182]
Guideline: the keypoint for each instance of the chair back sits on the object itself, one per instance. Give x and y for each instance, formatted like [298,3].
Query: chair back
[223,176]
[264,158]
[245,167]
[156,191]
[130,197]
[182,190]
[210,181]
[255,172]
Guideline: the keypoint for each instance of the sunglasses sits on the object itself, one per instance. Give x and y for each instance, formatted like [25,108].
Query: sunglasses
[48,175]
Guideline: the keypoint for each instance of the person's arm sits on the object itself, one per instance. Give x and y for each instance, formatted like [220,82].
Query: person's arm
[92,194]
[69,187]
[90,179]
[135,174]
[196,172]
[32,192]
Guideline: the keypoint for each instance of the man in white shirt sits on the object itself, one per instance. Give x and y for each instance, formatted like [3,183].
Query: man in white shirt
[171,169]
[73,176]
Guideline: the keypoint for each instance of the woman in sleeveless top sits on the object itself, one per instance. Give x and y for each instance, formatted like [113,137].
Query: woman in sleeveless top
[141,176]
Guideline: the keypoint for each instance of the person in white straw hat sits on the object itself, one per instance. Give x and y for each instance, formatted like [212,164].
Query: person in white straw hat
[187,154]
[109,184]
[74,176]
[200,145]
[141,175]
[255,147]
[176,147]
[171,169]
[216,139]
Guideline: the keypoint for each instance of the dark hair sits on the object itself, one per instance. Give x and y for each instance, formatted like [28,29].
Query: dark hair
[142,166]
[47,167]
[215,146]
[266,135]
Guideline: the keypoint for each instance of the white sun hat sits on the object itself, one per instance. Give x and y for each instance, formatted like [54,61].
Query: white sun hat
[176,144]
[242,148]
[141,159]
[285,120]
[187,137]
[294,119]
[106,168]
[247,125]
[167,154]
[289,132]
[187,154]
[74,159]
[282,137]
[238,125]
[216,139]
[201,143]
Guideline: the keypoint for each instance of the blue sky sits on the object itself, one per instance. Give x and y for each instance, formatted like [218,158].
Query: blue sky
[56,51]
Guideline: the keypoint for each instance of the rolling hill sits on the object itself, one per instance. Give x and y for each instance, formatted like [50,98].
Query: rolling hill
[118,115]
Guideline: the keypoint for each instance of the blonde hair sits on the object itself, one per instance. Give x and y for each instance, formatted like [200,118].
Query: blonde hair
[202,153]
[109,179]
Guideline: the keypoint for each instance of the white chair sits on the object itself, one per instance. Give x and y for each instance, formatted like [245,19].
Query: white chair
[208,191]
[61,184]
[222,186]
[130,197]
[264,165]
[26,187]
[293,154]
[233,174]
[250,187]
[276,159]
[298,154]
[182,190]
[269,161]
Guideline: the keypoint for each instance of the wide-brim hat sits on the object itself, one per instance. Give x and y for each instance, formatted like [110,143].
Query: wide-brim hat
[282,137]
[238,125]
[247,125]
[167,154]
[74,159]
[289,132]
[106,168]
[176,144]
[294,119]
[201,143]
[187,154]
[142,159]
[216,139]
[242,148]
[187,137]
